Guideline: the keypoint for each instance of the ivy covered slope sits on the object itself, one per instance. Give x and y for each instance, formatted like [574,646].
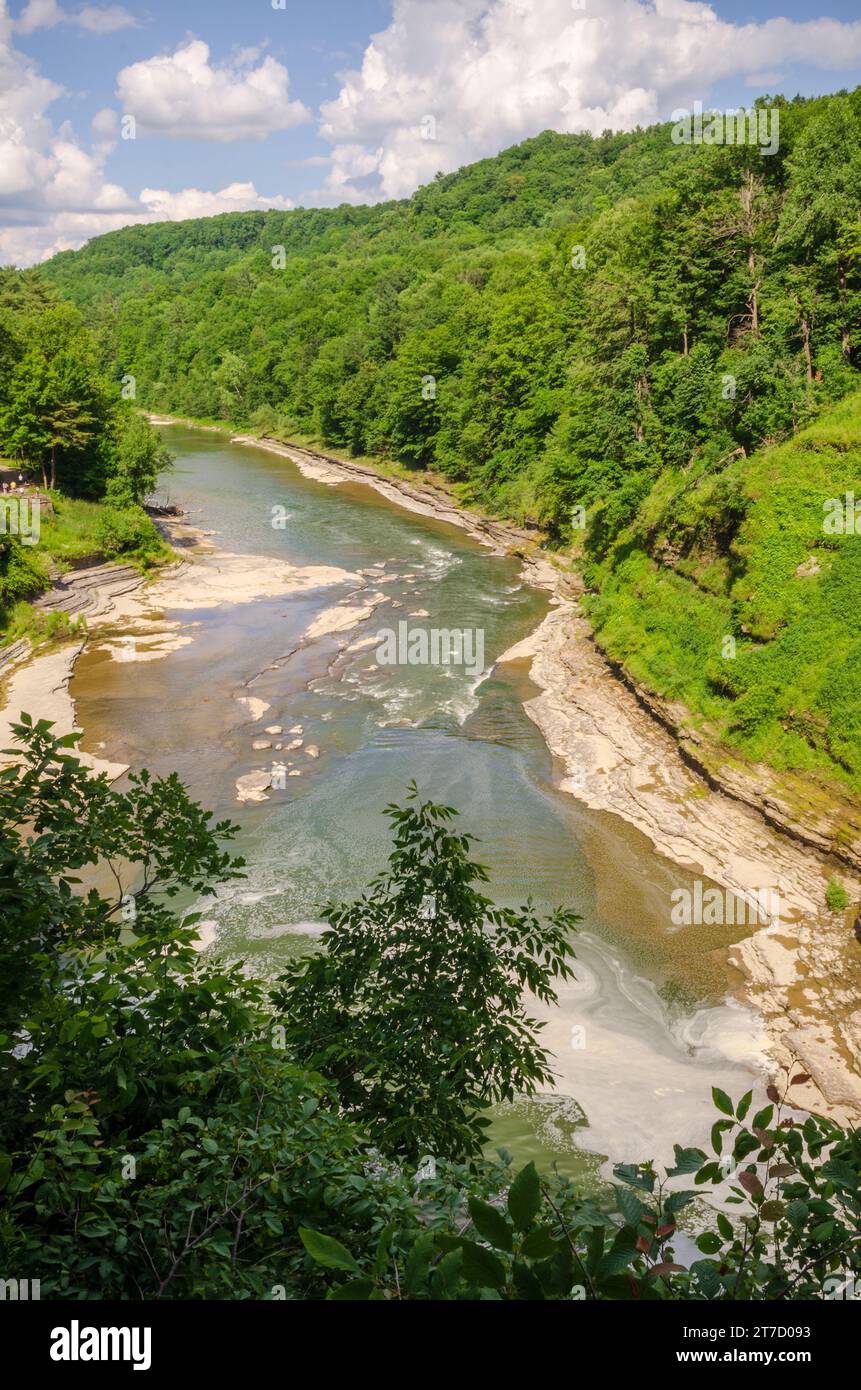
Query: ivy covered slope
[735,592]
[65,426]
[616,330]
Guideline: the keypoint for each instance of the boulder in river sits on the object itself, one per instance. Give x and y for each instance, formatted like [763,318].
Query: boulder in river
[253,786]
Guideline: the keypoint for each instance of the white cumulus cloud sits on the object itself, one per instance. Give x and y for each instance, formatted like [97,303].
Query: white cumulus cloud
[489,73]
[184,95]
[98,19]
[475,75]
[54,193]
[194,202]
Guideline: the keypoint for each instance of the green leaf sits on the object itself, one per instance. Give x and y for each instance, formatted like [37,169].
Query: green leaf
[490,1224]
[722,1101]
[383,1249]
[526,1282]
[707,1278]
[481,1266]
[763,1118]
[540,1244]
[524,1197]
[5,1170]
[355,1290]
[447,1275]
[629,1205]
[708,1243]
[634,1176]
[842,1174]
[745,1144]
[687,1161]
[556,1274]
[418,1263]
[677,1200]
[327,1251]
[621,1253]
[743,1105]
[724,1225]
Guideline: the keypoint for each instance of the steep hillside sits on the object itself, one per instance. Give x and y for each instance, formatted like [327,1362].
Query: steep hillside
[737,592]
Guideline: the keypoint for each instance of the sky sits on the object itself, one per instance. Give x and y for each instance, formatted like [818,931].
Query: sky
[118,113]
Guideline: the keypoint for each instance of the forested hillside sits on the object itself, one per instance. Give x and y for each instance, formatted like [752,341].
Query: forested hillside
[66,429]
[580,330]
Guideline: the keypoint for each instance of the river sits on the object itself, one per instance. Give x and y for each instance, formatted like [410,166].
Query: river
[649,1025]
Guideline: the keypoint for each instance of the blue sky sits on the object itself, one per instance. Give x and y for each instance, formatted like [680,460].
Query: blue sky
[324,101]
[314,39]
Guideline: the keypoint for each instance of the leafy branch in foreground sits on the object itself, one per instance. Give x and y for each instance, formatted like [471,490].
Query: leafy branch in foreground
[415,1006]
[164,1136]
[800,1237]
[150,837]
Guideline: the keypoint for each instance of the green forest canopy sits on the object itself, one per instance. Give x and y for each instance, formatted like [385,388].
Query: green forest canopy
[70,429]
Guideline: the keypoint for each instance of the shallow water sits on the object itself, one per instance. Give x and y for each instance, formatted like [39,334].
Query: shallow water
[646,1029]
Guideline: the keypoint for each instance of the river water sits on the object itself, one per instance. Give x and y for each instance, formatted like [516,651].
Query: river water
[649,1025]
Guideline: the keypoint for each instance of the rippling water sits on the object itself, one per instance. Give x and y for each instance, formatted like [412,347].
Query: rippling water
[649,1004]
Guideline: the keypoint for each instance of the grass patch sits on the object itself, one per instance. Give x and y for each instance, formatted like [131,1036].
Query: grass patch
[21,619]
[836,897]
[79,531]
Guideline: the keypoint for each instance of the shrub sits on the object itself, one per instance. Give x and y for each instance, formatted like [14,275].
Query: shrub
[836,896]
[123,530]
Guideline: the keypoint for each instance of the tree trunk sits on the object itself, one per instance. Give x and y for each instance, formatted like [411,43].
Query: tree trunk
[685,340]
[844,331]
[805,342]
[747,194]
[44,476]
[753,301]
[53,465]
[642,394]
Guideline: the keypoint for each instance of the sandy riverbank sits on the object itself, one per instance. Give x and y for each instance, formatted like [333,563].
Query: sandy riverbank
[38,682]
[129,621]
[803,969]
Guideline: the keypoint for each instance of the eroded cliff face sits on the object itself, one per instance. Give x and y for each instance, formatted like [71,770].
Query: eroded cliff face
[802,969]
